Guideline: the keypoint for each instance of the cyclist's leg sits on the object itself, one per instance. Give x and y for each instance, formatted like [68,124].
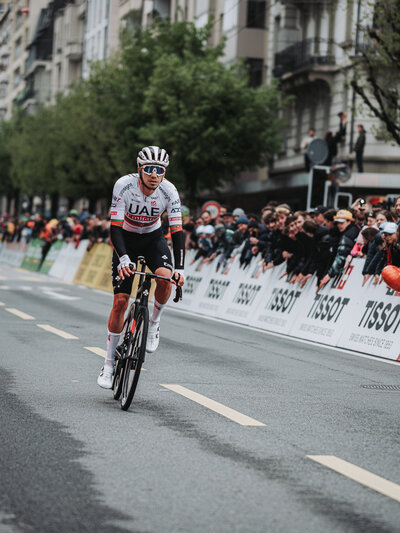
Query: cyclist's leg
[115,324]
[159,261]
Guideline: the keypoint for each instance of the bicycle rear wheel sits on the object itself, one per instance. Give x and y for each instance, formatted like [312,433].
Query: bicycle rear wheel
[136,352]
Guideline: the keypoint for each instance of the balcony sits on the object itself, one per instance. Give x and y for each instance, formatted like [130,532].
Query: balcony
[73,51]
[304,55]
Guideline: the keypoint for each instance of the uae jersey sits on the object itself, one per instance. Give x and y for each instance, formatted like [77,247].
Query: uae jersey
[135,212]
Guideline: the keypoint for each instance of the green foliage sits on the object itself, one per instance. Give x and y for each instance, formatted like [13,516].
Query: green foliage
[377,71]
[166,87]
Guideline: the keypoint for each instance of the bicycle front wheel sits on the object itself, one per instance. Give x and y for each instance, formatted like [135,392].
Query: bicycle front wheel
[136,352]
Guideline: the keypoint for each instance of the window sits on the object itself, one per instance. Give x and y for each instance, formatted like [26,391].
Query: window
[230,14]
[256,13]
[17,52]
[255,67]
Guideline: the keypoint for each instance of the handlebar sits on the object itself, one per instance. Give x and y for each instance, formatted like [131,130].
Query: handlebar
[178,292]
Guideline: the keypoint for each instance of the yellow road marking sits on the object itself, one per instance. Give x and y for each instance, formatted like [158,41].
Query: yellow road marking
[219,408]
[56,331]
[100,351]
[377,483]
[20,314]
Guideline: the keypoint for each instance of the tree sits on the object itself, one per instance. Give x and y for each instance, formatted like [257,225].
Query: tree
[204,113]
[376,76]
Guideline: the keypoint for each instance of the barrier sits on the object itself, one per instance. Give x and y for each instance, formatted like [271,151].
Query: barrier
[51,256]
[343,314]
[12,253]
[33,255]
[68,260]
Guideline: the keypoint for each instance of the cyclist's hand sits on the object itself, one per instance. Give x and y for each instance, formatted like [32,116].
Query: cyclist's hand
[179,277]
[126,267]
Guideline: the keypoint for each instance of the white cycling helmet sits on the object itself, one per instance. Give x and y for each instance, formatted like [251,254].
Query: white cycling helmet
[153,155]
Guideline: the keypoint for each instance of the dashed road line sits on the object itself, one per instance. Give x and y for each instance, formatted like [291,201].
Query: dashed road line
[96,350]
[56,331]
[362,476]
[219,408]
[55,294]
[19,313]
[2,303]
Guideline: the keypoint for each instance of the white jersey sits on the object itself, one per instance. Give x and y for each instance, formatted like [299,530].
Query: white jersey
[138,213]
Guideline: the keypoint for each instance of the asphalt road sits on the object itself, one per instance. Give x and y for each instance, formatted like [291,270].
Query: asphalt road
[72,461]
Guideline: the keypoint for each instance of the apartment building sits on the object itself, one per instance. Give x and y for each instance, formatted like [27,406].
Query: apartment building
[310,50]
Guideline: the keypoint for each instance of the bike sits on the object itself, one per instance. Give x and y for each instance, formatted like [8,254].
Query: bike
[130,352]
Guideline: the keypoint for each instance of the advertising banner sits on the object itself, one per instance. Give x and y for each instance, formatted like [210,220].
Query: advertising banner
[33,255]
[279,303]
[68,260]
[51,256]
[374,325]
[12,253]
[323,315]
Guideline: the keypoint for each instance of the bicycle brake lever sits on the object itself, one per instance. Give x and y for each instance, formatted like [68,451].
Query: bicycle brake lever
[178,294]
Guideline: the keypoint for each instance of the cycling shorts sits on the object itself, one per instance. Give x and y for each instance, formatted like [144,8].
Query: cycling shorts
[152,246]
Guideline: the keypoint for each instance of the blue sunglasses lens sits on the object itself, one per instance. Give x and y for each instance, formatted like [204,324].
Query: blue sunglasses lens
[149,170]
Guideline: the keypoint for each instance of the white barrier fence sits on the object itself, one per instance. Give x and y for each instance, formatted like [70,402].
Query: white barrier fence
[343,314]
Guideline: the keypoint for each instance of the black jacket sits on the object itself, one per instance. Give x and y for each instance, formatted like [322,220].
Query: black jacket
[345,246]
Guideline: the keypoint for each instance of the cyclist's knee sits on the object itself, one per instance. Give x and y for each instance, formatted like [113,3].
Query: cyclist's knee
[120,303]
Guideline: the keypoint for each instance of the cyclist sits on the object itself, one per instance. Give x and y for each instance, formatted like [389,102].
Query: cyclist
[138,202]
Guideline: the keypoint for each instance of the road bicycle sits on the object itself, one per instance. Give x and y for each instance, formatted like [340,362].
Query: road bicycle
[130,352]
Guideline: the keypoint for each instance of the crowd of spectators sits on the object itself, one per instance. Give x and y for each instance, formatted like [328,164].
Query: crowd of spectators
[320,242]
[71,228]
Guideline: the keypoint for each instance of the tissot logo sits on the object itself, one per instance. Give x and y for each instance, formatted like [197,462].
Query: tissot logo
[216,289]
[191,284]
[327,307]
[378,315]
[246,293]
[282,300]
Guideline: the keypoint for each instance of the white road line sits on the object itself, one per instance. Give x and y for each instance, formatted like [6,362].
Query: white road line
[377,483]
[21,314]
[2,278]
[2,303]
[60,296]
[100,352]
[97,351]
[219,408]
[56,331]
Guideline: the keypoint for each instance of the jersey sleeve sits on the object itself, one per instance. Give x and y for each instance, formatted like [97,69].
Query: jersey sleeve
[174,212]
[117,211]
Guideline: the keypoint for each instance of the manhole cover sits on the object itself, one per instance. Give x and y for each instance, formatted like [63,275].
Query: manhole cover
[381,387]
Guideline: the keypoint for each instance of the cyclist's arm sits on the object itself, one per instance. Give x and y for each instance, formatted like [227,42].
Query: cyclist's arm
[177,233]
[117,212]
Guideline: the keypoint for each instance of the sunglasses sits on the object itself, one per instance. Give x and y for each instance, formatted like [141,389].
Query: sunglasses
[151,168]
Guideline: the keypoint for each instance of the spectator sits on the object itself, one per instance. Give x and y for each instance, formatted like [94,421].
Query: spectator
[236,213]
[345,222]
[228,220]
[318,213]
[331,144]
[206,218]
[360,209]
[48,236]
[359,147]
[391,243]
[241,234]
[304,145]
[341,133]
[397,209]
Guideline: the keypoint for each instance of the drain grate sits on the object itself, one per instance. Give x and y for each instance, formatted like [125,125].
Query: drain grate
[381,387]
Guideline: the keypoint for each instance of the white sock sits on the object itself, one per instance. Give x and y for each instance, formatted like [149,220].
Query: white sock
[157,310]
[112,342]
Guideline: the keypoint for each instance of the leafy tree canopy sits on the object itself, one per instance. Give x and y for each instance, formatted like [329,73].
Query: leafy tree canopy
[377,72]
